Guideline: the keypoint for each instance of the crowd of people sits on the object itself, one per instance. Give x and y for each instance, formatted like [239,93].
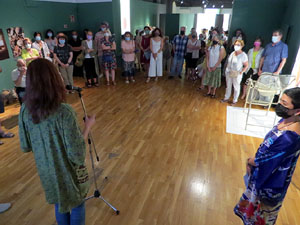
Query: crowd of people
[206,57]
[59,58]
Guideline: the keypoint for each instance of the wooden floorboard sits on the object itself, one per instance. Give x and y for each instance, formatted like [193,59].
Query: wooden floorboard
[165,151]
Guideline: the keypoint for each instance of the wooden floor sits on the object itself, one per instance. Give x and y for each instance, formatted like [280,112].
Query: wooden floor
[165,151]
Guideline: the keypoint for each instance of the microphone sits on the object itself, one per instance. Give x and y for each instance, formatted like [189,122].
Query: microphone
[73,88]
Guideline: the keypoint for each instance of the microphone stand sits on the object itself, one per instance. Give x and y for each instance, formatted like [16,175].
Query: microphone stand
[97,193]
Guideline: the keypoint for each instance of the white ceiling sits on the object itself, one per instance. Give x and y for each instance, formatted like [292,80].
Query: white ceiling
[75,1]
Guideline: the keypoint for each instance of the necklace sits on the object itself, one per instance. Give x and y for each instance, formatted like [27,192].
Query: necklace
[289,124]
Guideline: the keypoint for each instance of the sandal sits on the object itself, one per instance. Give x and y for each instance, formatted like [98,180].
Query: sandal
[1,143]
[114,83]
[213,96]
[207,95]
[224,100]
[107,83]
[96,84]
[148,80]
[6,135]
[156,78]
[233,103]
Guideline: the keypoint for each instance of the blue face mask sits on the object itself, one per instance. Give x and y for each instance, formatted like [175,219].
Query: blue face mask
[275,39]
[49,34]
[127,38]
[62,41]
[38,38]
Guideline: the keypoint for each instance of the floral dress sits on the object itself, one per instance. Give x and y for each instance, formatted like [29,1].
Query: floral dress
[109,61]
[268,183]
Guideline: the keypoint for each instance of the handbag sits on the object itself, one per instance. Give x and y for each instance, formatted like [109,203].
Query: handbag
[233,73]
[79,60]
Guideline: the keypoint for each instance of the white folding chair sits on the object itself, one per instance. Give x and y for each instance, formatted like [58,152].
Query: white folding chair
[262,92]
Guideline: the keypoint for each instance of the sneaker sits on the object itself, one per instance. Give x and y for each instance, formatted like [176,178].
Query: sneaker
[132,80]
[4,207]
[127,82]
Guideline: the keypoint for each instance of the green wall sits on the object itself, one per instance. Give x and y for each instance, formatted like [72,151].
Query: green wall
[172,25]
[257,18]
[142,14]
[291,19]
[90,15]
[31,16]
[187,20]
[269,15]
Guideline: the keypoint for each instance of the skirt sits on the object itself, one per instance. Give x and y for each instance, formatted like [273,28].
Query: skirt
[213,79]
[128,68]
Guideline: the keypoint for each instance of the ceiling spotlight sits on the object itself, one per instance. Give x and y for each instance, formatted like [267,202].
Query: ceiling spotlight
[205,6]
[181,2]
[222,6]
[203,2]
[214,6]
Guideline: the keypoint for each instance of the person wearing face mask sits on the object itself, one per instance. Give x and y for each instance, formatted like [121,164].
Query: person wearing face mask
[214,57]
[270,172]
[192,54]
[167,55]
[179,48]
[254,56]
[51,41]
[274,56]
[75,43]
[109,62]
[214,32]
[28,53]
[145,49]
[236,66]
[63,55]
[89,47]
[41,46]
[193,30]
[156,60]
[18,76]
[239,35]
[104,27]
[128,56]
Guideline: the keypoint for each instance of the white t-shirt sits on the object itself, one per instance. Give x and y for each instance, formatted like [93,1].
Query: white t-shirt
[195,53]
[14,76]
[90,46]
[214,53]
[235,62]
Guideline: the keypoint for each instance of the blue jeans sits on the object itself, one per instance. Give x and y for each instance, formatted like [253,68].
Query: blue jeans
[177,65]
[75,217]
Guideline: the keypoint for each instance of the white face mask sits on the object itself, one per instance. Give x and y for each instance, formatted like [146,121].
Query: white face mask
[237,48]
[28,46]
[275,39]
